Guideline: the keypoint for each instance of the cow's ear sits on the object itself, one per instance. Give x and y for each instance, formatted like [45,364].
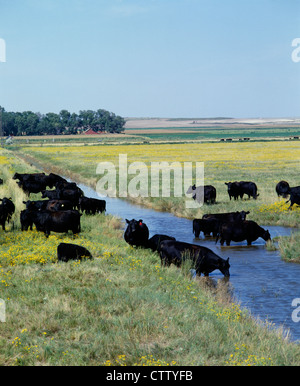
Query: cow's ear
[226,183]
[194,187]
[127,221]
[247,212]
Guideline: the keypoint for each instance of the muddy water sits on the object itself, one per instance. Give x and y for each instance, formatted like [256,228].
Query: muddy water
[260,280]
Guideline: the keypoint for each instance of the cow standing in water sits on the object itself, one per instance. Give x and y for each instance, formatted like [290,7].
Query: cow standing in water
[240,231]
[204,259]
[210,223]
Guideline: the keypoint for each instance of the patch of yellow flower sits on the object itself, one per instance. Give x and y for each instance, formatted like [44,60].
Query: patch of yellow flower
[242,357]
[20,248]
[146,360]
[278,207]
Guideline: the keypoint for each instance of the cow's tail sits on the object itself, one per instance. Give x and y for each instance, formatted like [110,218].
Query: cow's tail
[218,236]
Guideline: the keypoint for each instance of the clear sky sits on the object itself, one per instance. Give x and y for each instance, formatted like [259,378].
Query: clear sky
[151,58]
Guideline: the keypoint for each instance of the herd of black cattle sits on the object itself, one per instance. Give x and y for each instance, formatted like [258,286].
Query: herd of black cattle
[61,209]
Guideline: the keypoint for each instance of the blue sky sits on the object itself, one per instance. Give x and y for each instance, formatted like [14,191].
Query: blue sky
[151,58]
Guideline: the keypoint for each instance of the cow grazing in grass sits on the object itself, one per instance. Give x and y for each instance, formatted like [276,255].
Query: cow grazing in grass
[238,189]
[92,205]
[66,252]
[294,199]
[59,221]
[206,193]
[7,209]
[282,189]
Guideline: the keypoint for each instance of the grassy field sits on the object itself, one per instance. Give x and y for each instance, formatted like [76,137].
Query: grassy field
[223,162]
[261,162]
[121,308]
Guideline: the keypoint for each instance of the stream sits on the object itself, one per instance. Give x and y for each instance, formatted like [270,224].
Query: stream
[260,280]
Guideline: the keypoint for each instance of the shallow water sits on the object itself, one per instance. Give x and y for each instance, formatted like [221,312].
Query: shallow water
[260,280]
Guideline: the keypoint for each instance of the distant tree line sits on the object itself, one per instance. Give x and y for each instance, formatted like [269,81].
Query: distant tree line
[30,123]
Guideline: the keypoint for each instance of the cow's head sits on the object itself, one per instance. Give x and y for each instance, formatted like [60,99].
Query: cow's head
[224,267]
[244,214]
[191,189]
[134,225]
[136,233]
[266,235]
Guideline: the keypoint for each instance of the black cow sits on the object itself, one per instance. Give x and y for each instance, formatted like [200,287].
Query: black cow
[243,230]
[136,233]
[29,187]
[55,205]
[282,189]
[26,219]
[204,259]
[9,206]
[230,216]
[294,199]
[210,223]
[208,191]
[36,205]
[66,252]
[69,194]
[206,225]
[27,176]
[51,194]
[238,189]
[60,221]
[36,178]
[68,186]
[155,241]
[92,205]
[7,209]
[53,179]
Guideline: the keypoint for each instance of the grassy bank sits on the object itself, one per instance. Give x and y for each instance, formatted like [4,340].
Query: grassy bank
[121,308]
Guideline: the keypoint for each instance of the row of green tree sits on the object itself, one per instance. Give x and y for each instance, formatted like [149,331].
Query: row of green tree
[29,123]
